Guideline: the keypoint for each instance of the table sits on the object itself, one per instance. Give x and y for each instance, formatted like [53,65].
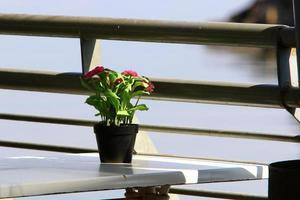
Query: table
[66,173]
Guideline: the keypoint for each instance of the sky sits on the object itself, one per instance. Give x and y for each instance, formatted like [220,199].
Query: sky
[191,10]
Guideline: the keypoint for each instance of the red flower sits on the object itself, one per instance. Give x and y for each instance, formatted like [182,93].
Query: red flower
[130,73]
[150,87]
[118,81]
[96,70]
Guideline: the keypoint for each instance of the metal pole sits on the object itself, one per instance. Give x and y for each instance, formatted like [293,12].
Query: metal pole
[287,71]
[233,34]
[288,61]
[296,5]
[160,129]
[174,90]
[215,194]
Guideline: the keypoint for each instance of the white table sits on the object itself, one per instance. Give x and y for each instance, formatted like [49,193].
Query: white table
[27,176]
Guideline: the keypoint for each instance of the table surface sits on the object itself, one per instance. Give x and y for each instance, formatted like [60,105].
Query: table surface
[28,175]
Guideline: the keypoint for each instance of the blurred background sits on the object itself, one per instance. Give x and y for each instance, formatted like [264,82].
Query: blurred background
[192,62]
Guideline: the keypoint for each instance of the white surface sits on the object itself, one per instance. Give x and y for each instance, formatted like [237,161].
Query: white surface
[27,175]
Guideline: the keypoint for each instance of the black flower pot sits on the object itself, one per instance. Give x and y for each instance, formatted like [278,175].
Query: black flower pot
[115,143]
[284,180]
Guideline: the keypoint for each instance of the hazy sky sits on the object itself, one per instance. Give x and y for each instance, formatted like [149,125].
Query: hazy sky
[155,9]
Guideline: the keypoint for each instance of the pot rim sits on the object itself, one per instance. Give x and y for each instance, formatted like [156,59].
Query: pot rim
[127,129]
[121,125]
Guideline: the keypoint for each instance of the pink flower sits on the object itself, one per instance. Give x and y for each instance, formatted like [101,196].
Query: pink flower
[118,81]
[150,87]
[130,73]
[96,70]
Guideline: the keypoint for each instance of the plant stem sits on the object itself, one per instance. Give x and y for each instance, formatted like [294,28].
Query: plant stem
[137,101]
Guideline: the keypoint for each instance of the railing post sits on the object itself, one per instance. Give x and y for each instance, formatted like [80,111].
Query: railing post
[90,54]
[296,6]
[288,69]
[284,176]
[287,75]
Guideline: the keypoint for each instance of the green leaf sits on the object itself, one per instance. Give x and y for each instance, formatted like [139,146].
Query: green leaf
[99,104]
[139,93]
[110,93]
[140,83]
[140,107]
[92,100]
[113,99]
[113,76]
[123,113]
[125,99]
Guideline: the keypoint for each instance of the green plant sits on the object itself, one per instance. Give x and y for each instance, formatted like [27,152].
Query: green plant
[113,92]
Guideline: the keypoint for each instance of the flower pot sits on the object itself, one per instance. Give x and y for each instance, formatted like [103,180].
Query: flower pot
[284,180]
[115,143]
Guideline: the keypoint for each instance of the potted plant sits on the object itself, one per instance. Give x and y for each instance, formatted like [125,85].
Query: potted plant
[112,97]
